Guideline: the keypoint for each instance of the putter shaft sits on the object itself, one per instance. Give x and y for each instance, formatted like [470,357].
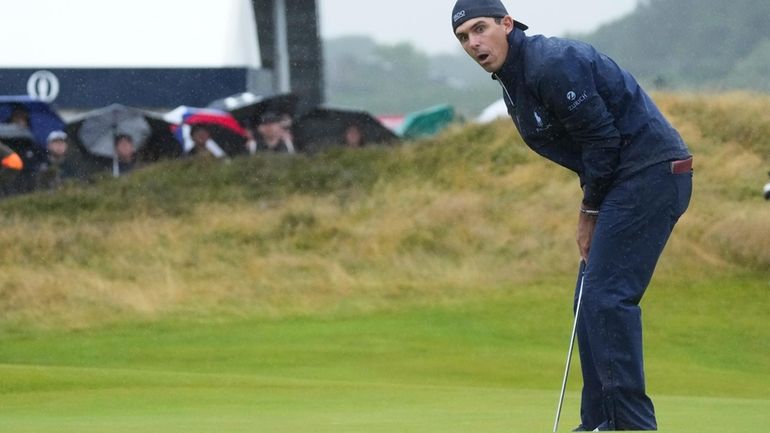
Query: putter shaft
[571,347]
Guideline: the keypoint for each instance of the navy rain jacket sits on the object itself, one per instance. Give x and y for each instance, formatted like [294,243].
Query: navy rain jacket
[576,107]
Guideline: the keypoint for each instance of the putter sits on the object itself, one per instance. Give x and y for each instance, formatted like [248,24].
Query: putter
[581,279]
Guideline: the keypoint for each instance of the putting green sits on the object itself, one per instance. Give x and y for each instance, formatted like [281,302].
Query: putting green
[116,401]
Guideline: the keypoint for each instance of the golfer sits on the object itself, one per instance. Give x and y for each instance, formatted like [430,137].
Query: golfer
[576,107]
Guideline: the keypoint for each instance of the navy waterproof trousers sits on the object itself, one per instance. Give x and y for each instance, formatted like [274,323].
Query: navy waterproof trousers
[635,221]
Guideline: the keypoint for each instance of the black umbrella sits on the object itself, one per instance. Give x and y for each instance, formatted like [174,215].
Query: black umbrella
[248,108]
[95,131]
[324,127]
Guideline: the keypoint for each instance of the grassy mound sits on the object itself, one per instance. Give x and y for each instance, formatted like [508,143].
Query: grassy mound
[472,211]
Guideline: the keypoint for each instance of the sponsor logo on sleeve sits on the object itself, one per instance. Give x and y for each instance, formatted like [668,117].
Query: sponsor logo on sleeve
[576,101]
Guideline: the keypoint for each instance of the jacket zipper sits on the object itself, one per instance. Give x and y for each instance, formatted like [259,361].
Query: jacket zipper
[505,89]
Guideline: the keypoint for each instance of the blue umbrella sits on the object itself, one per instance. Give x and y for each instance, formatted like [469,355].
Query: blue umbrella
[42,117]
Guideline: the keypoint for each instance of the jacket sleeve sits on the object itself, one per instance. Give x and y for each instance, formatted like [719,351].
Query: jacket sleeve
[567,88]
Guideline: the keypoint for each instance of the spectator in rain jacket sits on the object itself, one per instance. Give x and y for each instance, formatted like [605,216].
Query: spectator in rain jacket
[203,146]
[57,167]
[273,134]
[10,167]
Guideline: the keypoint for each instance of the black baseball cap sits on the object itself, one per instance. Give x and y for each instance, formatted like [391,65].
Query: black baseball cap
[465,10]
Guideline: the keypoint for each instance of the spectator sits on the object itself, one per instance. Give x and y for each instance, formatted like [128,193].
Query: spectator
[274,134]
[19,116]
[10,167]
[353,137]
[202,143]
[125,155]
[57,167]
[19,137]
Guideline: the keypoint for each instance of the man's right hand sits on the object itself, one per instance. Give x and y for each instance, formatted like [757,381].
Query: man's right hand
[585,233]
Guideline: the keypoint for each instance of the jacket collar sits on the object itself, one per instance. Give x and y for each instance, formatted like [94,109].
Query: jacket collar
[512,68]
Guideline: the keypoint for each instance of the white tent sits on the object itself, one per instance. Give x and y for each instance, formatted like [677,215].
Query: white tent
[128,34]
[497,110]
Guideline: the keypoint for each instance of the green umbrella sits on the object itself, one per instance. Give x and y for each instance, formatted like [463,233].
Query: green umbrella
[427,122]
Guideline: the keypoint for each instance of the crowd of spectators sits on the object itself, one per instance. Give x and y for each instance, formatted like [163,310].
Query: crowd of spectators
[64,158]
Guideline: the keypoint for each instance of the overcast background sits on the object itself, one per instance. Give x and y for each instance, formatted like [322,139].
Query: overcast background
[426,23]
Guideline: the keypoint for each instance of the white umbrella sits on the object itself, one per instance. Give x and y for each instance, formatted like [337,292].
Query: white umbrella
[498,110]
[100,128]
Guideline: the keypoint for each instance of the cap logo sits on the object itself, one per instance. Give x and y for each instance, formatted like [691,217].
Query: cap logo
[458,15]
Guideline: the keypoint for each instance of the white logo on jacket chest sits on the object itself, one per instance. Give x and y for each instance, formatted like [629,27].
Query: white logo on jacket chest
[541,125]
